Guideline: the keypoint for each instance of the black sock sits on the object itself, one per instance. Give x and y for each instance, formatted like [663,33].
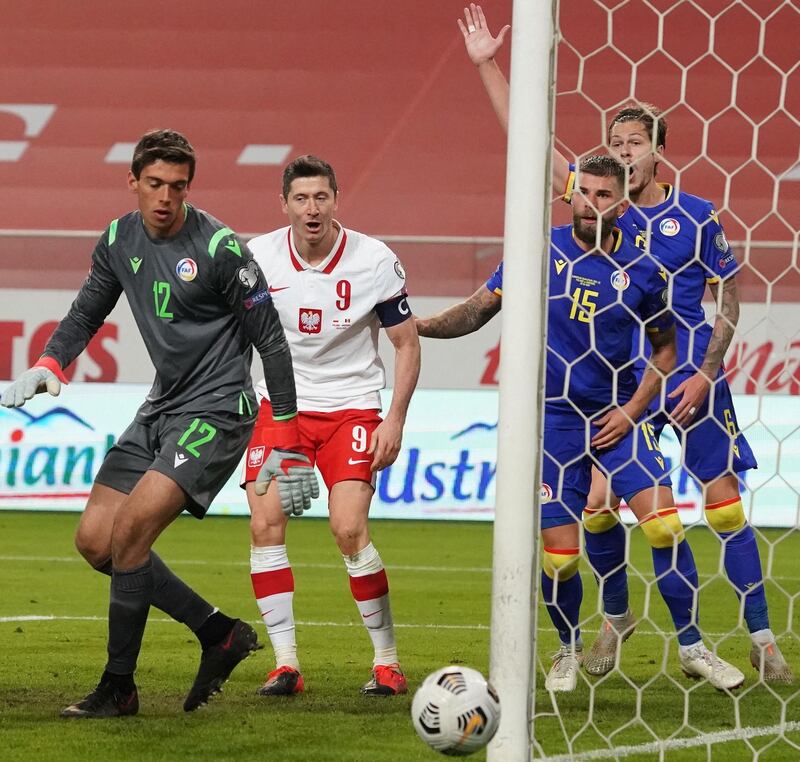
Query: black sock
[214,629]
[131,593]
[172,595]
[123,683]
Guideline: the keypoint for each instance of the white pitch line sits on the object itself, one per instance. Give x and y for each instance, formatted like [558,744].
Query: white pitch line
[704,739]
[302,565]
[308,623]
[163,620]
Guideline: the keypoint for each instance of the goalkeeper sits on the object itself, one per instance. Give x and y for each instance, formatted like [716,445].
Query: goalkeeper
[201,303]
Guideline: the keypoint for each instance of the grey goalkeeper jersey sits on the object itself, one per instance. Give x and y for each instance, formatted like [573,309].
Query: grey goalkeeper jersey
[200,301]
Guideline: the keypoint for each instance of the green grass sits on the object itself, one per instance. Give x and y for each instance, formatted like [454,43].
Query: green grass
[440,580]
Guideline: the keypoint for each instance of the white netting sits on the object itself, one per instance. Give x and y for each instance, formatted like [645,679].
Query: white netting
[727,78]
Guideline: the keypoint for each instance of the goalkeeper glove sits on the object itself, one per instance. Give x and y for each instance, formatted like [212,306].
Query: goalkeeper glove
[45,375]
[291,470]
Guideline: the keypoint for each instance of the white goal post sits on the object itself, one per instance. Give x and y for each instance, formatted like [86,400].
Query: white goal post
[527,221]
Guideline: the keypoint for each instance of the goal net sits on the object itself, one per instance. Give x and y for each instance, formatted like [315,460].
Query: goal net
[726,78]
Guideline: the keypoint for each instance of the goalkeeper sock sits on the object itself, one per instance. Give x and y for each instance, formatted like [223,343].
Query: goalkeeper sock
[129,604]
[606,552]
[273,586]
[743,567]
[370,588]
[173,596]
[677,584]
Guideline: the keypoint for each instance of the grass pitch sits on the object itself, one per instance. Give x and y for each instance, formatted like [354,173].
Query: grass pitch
[53,630]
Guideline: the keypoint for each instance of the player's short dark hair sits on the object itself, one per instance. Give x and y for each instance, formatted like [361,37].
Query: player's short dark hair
[603,165]
[167,145]
[308,166]
[649,115]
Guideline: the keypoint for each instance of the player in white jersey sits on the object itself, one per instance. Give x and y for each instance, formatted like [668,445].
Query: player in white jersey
[334,289]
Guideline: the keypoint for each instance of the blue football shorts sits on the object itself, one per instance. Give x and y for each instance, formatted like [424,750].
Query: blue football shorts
[632,465]
[712,444]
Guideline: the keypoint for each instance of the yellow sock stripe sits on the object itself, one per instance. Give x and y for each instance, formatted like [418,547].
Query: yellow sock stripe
[663,528]
[561,562]
[598,520]
[726,516]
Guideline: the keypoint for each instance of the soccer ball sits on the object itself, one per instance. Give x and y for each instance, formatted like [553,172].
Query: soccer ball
[456,711]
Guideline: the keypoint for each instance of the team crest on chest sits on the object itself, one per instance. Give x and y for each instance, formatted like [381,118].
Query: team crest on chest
[620,280]
[186,269]
[669,227]
[309,320]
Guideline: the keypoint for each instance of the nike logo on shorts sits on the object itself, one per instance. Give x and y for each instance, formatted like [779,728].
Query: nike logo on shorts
[352,462]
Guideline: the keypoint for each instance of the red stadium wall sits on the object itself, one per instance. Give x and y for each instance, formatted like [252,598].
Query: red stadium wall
[386,93]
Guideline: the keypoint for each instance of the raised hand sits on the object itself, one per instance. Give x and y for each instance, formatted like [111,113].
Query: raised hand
[481,46]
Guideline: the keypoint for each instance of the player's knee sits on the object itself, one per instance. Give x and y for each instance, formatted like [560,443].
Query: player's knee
[726,516]
[96,550]
[599,520]
[561,563]
[351,534]
[663,528]
[266,530]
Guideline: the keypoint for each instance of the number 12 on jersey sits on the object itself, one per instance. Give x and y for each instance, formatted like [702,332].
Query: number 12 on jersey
[161,294]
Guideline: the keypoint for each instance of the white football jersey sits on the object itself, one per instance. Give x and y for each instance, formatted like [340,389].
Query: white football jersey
[328,314]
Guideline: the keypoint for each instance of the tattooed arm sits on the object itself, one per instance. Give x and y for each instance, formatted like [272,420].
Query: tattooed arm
[727,300]
[462,318]
[694,390]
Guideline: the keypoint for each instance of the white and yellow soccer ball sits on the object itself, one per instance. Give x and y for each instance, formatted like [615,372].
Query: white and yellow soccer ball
[456,711]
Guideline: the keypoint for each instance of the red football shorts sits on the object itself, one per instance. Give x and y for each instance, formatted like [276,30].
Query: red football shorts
[336,443]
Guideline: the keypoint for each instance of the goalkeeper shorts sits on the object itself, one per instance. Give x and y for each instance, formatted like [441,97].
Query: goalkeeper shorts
[198,452]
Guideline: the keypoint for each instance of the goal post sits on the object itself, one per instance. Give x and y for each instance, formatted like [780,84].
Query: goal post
[515,541]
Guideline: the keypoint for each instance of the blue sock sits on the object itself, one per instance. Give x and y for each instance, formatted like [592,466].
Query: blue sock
[606,552]
[678,594]
[565,610]
[743,567]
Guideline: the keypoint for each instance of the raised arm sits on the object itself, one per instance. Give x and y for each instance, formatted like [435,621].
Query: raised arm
[481,48]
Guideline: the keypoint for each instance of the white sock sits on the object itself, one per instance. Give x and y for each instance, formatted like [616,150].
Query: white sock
[273,585]
[685,649]
[370,590]
[763,637]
